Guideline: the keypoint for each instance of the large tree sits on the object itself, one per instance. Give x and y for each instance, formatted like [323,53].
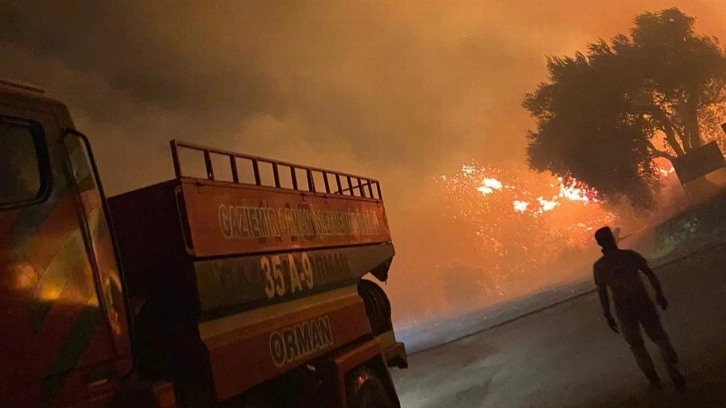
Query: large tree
[605,114]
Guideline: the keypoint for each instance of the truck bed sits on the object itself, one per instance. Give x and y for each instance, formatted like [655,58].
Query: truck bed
[228,263]
[213,233]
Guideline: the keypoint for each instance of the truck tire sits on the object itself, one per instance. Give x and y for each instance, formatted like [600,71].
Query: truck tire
[366,390]
[377,305]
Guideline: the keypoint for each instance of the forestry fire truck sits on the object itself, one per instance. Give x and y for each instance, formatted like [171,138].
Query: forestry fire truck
[249,285]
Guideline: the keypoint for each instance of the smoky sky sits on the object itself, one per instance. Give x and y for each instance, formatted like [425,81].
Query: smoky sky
[402,91]
[412,86]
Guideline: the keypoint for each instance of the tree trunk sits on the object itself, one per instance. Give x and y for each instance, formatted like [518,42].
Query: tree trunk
[694,131]
[673,142]
[683,139]
[667,127]
[690,121]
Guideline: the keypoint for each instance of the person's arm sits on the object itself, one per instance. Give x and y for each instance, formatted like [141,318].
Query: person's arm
[653,279]
[602,291]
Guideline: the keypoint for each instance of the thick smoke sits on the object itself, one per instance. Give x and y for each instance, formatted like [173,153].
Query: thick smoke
[403,92]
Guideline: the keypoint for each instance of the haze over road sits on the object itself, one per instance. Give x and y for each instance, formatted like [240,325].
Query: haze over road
[566,356]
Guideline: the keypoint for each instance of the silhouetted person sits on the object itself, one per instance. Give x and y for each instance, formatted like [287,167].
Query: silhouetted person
[617,270]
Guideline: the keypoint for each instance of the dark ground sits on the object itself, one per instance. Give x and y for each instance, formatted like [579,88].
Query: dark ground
[566,356]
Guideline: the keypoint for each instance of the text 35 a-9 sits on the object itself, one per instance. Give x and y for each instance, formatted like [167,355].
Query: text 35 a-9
[286,273]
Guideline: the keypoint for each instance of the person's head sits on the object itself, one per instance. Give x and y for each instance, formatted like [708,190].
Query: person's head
[605,238]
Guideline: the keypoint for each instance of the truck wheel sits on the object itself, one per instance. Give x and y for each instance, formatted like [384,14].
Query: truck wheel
[377,305]
[366,390]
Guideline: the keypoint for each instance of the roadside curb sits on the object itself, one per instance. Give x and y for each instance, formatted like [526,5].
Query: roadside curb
[656,265]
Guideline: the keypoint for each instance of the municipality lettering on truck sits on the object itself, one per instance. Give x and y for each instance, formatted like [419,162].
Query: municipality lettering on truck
[192,292]
[241,221]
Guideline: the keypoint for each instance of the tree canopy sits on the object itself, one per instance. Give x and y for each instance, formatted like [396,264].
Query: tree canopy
[606,113]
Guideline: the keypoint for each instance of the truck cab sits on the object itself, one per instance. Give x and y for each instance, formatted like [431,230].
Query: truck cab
[64,318]
[248,283]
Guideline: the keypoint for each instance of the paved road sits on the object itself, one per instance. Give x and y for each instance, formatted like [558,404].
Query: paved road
[567,357]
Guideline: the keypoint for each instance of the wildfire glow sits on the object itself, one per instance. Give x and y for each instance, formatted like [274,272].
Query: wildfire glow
[547,205]
[663,168]
[665,172]
[520,206]
[573,190]
[488,185]
[521,222]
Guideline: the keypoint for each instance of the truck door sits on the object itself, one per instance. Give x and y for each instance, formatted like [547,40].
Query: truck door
[60,326]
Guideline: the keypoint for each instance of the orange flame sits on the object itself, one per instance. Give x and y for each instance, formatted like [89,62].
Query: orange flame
[523,218]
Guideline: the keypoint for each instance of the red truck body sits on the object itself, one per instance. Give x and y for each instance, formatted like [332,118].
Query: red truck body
[197,291]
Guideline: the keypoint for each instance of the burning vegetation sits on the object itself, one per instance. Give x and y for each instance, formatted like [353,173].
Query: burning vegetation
[525,226]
